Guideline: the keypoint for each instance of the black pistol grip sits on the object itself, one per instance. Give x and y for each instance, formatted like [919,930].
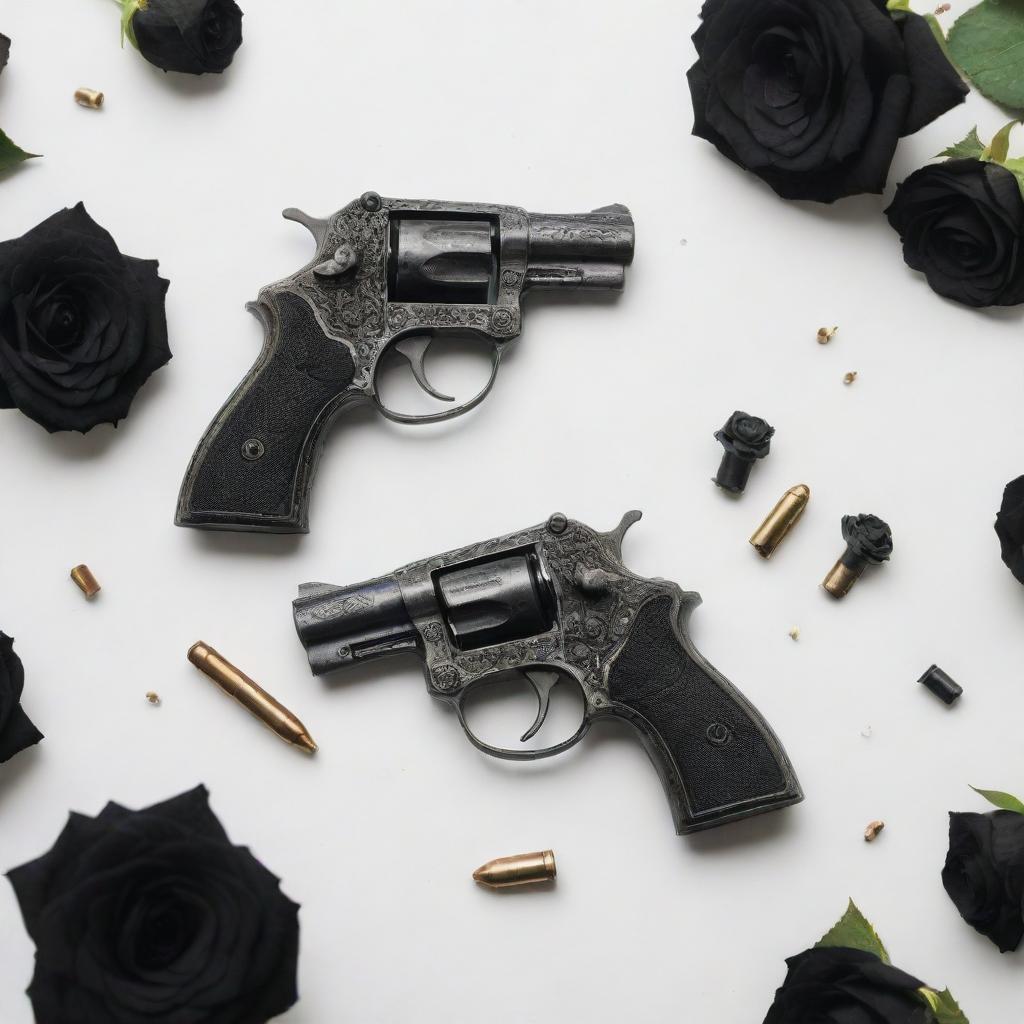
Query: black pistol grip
[717,757]
[254,467]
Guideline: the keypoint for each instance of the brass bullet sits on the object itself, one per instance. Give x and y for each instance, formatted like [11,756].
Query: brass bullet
[841,578]
[789,508]
[85,581]
[235,683]
[522,869]
[91,98]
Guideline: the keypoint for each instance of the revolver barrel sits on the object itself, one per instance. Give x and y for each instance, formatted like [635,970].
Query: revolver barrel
[580,250]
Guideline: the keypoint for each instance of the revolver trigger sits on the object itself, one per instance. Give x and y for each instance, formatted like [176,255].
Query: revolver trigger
[543,682]
[415,351]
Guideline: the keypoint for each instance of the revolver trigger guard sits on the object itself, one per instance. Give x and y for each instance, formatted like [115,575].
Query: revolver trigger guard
[446,414]
[542,677]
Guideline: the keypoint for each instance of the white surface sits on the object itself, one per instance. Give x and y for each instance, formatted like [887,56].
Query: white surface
[604,406]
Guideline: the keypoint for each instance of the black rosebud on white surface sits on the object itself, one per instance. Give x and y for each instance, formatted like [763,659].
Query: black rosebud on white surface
[1010,527]
[835,985]
[745,439]
[16,730]
[868,539]
[984,874]
[813,95]
[154,915]
[195,37]
[82,326]
[962,225]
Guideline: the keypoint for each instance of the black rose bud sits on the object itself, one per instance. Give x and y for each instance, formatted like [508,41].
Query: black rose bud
[1010,527]
[812,95]
[153,915]
[81,326]
[192,36]
[745,439]
[984,873]
[16,731]
[842,986]
[868,539]
[962,223]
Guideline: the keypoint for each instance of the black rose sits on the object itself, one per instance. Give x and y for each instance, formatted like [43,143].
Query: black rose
[5,50]
[812,95]
[961,223]
[984,873]
[153,915]
[16,730]
[81,326]
[192,36]
[846,986]
[867,537]
[745,436]
[1010,527]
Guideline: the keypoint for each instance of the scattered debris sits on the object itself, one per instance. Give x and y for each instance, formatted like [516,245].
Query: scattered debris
[867,733]
[825,334]
[850,377]
[871,832]
[153,697]
[794,633]
[943,9]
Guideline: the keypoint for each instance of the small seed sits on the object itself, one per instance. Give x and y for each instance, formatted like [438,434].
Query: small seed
[850,377]
[871,832]
[794,633]
[943,8]
[825,334]
[153,697]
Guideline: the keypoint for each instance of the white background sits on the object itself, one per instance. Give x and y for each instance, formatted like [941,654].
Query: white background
[555,106]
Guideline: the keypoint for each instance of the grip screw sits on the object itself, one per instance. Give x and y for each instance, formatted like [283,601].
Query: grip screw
[370,201]
[252,449]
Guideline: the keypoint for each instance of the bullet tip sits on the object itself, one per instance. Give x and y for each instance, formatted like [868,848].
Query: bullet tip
[306,742]
[801,491]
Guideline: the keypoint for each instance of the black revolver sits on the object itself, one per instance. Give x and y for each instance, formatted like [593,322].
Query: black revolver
[389,275]
[556,603]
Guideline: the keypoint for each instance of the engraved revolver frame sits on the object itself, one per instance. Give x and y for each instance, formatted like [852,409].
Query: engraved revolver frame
[329,325]
[598,604]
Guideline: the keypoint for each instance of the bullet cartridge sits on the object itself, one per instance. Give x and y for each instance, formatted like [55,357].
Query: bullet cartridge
[788,510]
[235,683]
[85,581]
[522,869]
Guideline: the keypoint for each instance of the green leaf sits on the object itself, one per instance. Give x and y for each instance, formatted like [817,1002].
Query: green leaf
[969,147]
[944,1006]
[854,931]
[898,5]
[1001,800]
[987,43]
[999,148]
[129,8]
[12,155]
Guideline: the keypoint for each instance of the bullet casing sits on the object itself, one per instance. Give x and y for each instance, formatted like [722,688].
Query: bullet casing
[521,869]
[234,682]
[85,581]
[91,98]
[841,578]
[787,512]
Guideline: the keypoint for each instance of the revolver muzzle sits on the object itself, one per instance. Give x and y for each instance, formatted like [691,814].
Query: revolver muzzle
[580,250]
[342,625]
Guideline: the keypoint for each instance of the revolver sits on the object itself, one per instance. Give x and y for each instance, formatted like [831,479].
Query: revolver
[389,277]
[553,604]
